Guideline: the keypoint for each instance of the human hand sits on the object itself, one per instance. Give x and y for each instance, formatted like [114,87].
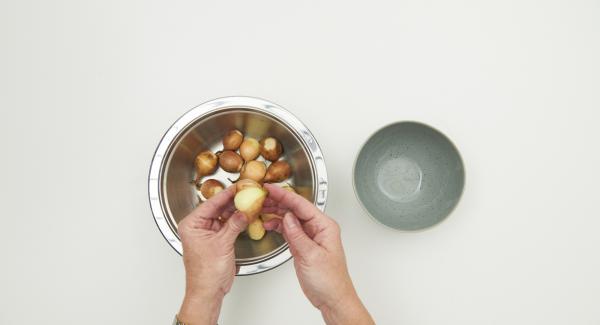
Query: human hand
[209,257]
[315,242]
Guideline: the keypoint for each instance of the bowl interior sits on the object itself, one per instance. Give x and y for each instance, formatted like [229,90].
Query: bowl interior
[409,176]
[206,133]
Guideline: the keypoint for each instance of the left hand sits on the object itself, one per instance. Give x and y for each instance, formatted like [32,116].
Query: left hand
[209,257]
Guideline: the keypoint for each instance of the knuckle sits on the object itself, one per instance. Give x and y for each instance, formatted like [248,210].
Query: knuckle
[235,226]
[295,235]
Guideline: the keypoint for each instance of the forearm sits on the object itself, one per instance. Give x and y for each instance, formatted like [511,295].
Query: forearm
[200,308]
[350,310]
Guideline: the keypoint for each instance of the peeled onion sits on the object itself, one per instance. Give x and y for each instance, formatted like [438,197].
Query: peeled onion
[256,230]
[230,161]
[249,149]
[270,148]
[250,201]
[246,183]
[254,170]
[278,172]
[206,163]
[211,187]
[232,140]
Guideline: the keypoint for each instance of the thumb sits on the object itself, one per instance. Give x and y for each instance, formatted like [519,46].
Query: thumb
[234,226]
[298,240]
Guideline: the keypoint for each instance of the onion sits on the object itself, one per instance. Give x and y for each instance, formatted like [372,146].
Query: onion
[256,230]
[230,161]
[246,183]
[232,140]
[250,201]
[270,148]
[254,170]
[270,216]
[249,149]
[211,187]
[288,187]
[278,172]
[206,163]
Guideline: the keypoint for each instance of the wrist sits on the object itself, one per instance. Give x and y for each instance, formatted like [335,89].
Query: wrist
[348,300]
[347,310]
[200,307]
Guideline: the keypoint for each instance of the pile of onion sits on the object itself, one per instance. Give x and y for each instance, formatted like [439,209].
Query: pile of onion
[250,194]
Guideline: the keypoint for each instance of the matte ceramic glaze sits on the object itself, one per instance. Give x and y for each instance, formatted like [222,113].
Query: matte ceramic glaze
[409,176]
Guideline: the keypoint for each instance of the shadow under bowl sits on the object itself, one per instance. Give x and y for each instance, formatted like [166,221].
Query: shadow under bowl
[409,176]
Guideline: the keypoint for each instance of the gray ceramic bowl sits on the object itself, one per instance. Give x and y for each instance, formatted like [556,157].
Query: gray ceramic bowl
[409,176]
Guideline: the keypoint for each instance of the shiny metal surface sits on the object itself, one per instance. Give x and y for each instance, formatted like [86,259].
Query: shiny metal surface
[172,196]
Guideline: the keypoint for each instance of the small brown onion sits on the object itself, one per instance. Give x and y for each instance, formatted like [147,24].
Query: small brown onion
[270,148]
[278,172]
[254,170]
[230,161]
[206,163]
[232,140]
[211,187]
[246,183]
[249,149]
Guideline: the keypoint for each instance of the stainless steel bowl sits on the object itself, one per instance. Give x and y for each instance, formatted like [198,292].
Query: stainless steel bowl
[172,196]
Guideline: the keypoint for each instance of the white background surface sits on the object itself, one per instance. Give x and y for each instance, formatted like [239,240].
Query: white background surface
[88,88]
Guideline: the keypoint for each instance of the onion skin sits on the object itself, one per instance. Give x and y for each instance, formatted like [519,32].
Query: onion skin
[270,148]
[205,163]
[232,140]
[250,202]
[254,170]
[256,230]
[278,172]
[270,216]
[230,161]
[288,187]
[210,188]
[249,149]
[246,183]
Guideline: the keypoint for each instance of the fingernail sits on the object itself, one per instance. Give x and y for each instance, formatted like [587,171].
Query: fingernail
[290,221]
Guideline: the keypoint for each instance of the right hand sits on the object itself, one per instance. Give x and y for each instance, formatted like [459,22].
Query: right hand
[315,242]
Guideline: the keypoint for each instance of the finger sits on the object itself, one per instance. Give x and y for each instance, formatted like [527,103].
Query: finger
[272,210]
[299,242]
[272,224]
[216,225]
[233,227]
[228,210]
[302,208]
[213,207]
[269,202]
